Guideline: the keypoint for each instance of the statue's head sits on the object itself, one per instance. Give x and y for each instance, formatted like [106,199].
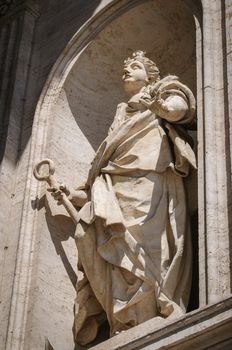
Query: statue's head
[139,71]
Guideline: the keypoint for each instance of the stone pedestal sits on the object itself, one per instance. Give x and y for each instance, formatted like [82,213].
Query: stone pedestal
[206,328]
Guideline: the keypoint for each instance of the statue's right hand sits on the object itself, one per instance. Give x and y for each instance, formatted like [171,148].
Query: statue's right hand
[59,192]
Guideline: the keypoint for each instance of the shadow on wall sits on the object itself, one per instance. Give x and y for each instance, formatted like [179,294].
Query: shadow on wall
[58,237]
[51,37]
[61,228]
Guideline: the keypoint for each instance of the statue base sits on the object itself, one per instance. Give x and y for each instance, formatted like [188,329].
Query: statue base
[208,327]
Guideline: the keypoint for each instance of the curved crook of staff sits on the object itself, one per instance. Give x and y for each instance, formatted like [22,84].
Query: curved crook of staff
[52,182]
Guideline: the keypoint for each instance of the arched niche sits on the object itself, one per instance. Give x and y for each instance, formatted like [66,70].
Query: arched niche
[73,115]
[88,97]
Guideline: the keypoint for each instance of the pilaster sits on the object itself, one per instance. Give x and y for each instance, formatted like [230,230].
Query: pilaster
[17,22]
[214,147]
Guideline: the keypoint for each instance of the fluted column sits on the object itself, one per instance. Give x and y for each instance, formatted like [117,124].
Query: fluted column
[216,152]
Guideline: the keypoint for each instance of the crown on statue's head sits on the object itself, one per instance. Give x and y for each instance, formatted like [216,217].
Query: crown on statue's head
[136,56]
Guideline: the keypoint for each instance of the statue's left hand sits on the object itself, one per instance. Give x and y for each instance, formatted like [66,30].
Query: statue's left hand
[155,104]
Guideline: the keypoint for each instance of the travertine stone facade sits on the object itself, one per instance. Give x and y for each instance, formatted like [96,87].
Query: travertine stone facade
[56,56]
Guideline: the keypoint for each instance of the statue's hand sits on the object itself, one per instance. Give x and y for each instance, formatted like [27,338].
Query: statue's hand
[59,192]
[159,107]
[146,99]
[156,104]
[77,197]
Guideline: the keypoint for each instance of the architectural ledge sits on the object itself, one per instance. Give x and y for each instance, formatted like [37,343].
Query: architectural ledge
[205,328]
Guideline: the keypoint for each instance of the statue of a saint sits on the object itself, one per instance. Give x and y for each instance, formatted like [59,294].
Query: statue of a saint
[133,237]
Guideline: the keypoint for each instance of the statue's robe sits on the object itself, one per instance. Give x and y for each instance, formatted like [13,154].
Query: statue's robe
[133,239]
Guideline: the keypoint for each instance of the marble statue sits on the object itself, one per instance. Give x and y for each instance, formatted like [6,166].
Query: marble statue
[133,235]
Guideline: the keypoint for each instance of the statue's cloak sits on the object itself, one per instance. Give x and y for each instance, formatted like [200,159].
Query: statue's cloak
[133,239]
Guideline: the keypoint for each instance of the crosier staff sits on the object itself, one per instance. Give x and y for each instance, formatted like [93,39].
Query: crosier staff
[53,183]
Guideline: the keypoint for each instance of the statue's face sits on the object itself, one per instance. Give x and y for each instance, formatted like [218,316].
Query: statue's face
[135,71]
[135,77]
